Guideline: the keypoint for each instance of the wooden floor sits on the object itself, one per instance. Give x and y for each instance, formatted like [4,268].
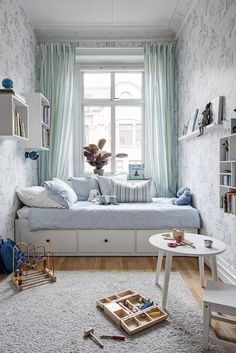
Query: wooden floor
[188,267]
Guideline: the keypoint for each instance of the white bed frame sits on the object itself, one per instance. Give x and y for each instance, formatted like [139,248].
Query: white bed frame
[92,242]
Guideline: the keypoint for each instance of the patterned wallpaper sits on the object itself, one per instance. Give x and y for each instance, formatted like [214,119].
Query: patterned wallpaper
[17,61]
[206,58]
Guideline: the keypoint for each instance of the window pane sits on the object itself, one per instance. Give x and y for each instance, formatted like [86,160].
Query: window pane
[97,125]
[128,136]
[128,85]
[97,85]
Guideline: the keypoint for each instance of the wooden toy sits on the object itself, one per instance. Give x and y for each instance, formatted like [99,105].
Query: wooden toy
[36,267]
[113,337]
[89,333]
[125,308]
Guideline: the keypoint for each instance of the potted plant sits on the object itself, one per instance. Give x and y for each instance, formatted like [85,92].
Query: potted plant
[96,157]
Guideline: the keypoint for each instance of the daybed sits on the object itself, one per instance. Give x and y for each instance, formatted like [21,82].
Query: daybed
[89,229]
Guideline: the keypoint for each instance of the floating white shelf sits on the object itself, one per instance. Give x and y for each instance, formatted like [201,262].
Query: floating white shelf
[14,116]
[196,132]
[39,122]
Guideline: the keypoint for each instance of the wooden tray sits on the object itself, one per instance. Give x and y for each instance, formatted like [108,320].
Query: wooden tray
[123,308]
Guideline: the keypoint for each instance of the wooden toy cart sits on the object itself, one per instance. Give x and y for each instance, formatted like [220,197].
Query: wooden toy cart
[35,267]
[125,308]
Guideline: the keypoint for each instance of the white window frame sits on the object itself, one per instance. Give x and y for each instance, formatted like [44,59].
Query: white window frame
[79,136]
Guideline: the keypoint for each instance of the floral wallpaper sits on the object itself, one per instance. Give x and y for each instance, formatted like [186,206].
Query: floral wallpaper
[17,61]
[206,68]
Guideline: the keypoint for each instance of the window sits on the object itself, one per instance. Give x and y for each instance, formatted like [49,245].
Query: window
[112,107]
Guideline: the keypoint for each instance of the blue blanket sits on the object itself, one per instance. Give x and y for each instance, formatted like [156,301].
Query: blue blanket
[159,214]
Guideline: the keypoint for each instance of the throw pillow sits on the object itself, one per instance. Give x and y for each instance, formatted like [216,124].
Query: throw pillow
[184,199]
[105,182]
[83,185]
[37,196]
[126,192]
[61,192]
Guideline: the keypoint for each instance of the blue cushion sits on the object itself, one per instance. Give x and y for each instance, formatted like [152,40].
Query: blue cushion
[184,199]
[61,192]
[181,191]
[83,185]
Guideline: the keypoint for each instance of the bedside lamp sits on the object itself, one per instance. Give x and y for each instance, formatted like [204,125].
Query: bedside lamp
[32,155]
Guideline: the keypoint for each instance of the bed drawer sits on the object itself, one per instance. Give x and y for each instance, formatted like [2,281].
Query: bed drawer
[143,245]
[59,241]
[106,241]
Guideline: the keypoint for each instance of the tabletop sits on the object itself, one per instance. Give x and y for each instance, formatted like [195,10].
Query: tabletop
[160,243]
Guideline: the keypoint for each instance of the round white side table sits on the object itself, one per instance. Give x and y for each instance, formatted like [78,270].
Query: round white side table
[200,251]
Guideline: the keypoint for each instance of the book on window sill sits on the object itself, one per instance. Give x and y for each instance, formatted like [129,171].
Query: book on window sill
[136,171]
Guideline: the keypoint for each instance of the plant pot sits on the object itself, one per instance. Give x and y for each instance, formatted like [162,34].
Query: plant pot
[98,171]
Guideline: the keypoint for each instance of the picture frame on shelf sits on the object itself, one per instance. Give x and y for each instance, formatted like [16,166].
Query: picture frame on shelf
[217,109]
[193,121]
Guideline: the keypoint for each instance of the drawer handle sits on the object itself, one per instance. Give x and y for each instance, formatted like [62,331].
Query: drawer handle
[48,240]
[105,240]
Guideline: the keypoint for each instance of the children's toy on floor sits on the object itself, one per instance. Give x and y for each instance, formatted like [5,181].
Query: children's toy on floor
[132,311]
[35,267]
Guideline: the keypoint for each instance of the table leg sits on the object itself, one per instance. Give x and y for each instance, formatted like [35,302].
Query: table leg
[158,269]
[214,268]
[166,279]
[201,270]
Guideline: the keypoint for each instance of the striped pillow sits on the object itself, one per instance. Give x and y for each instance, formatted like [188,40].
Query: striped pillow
[126,192]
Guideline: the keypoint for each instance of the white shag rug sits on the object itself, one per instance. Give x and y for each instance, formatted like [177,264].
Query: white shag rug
[52,318]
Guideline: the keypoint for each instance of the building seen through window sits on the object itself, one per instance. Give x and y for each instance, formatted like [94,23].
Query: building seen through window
[114,113]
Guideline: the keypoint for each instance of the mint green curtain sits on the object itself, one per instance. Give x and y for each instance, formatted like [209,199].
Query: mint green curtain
[160,120]
[56,81]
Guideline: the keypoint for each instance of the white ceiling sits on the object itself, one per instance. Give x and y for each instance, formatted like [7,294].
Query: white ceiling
[106,19]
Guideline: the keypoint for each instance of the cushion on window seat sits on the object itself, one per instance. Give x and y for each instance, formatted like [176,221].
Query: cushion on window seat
[126,192]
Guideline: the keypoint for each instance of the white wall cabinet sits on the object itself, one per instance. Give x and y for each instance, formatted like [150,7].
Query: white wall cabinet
[39,122]
[14,116]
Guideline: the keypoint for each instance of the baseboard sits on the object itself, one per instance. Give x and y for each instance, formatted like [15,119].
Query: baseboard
[225,274]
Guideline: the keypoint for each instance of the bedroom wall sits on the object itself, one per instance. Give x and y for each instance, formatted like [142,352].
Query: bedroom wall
[17,61]
[206,61]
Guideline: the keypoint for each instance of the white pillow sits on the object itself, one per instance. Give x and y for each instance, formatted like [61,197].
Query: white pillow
[105,182]
[37,196]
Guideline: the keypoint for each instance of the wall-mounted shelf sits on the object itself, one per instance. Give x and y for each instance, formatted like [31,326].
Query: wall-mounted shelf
[39,122]
[196,132]
[227,175]
[14,116]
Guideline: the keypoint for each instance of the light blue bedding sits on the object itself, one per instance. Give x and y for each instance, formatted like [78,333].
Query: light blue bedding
[86,215]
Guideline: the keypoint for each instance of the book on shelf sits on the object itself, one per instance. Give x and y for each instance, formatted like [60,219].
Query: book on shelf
[227,180]
[46,114]
[230,202]
[136,171]
[45,138]
[7,91]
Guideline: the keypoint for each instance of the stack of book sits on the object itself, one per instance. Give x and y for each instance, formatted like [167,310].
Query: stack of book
[19,125]
[230,202]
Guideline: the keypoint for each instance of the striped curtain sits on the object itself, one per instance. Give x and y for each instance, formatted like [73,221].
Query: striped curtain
[56,81]
[160,119]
